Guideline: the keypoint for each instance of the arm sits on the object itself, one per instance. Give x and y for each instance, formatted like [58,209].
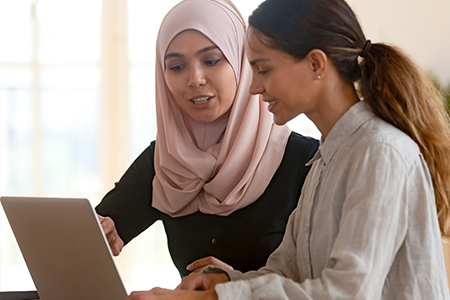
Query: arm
[129,204]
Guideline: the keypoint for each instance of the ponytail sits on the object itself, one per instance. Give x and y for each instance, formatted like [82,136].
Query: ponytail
[401,94]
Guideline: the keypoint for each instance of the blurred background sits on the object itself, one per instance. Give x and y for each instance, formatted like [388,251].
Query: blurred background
[77,102]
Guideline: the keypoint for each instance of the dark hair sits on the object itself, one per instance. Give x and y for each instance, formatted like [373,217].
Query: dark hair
[394,87]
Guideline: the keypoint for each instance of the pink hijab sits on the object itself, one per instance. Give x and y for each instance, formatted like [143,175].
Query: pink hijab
[223,166]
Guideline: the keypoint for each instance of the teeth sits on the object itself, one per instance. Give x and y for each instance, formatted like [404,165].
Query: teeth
[272,102]
[201,100]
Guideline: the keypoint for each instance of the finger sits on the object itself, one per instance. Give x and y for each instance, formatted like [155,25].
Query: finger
[199,263]
[197,270]
[136,295]
[108,225]
[117,246]
[109,229]
[114,241]
[192,282]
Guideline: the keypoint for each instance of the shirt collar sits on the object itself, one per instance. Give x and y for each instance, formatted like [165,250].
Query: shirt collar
[352,119]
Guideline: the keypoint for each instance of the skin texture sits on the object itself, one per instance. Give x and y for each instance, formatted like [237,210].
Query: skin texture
[195,67]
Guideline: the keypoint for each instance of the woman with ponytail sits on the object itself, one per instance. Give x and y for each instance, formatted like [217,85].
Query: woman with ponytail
[375,204]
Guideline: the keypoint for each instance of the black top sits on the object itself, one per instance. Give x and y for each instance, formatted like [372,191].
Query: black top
[244,239]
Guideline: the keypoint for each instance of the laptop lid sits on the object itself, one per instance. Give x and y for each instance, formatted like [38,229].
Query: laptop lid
[64,248]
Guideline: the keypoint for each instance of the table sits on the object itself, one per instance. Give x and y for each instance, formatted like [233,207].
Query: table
[23,295]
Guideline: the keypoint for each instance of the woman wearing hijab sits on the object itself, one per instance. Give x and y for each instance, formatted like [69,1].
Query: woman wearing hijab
[221,176]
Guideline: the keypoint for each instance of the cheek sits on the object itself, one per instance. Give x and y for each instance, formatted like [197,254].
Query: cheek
[173,84]
[228,86]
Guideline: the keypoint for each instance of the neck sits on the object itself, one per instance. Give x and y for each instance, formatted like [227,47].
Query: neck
[334,101]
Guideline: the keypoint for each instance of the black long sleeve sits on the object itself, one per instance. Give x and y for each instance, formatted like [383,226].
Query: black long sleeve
[244,239]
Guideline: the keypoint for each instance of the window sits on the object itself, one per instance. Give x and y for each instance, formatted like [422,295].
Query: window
[76,108]
[50,89]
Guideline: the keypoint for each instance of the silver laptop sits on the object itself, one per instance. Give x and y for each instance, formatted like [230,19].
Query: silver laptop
[64,248]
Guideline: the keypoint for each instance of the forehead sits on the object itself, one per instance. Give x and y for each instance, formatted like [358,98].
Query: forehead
[258,51]
[189,41]
[252,42]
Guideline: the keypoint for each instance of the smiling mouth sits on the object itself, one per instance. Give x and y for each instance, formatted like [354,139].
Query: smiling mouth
[200,100]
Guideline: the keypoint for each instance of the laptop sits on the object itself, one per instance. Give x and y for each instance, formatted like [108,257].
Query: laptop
[64,248]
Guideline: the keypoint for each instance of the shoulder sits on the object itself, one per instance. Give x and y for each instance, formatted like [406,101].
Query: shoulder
[299,142]
[151,148]
[382,139]
[303,146]
[145,161]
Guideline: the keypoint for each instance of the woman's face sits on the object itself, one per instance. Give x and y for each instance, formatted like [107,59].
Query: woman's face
[199,77]
[284,82]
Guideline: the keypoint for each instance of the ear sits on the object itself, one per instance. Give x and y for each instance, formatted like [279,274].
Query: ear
[318,63]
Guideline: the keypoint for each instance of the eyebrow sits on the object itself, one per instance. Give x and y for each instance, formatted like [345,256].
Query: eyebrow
[199,52]
[258,60]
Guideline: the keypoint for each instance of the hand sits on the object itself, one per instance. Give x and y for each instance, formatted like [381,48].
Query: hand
[199,264]
[197,281]
[164,294]
[114,240]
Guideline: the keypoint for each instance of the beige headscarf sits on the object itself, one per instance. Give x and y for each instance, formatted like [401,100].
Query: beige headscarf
[225,165]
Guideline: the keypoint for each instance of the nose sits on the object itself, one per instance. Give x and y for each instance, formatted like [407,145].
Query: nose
[197,77]
[256,87]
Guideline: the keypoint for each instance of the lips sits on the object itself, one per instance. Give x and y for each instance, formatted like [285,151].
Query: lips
[199,100]
[271,104]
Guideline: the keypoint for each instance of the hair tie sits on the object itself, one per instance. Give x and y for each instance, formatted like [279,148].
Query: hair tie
[366,49]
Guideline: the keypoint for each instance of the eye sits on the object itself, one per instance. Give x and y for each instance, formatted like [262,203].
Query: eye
[261,70]
[212,61]
[176,68]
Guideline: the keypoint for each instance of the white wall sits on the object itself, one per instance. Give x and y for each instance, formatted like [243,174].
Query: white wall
[419,27]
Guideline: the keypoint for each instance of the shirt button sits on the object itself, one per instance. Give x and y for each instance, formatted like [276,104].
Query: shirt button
[213,241]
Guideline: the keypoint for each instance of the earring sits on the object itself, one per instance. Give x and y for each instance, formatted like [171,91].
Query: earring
[319,77]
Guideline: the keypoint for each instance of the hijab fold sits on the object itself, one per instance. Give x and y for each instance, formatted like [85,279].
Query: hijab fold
[219,167]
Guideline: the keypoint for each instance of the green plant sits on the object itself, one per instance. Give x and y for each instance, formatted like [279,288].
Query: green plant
[445,92]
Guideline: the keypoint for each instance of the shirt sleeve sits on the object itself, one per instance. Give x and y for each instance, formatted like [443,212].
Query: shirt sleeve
[372,228]
[129,203]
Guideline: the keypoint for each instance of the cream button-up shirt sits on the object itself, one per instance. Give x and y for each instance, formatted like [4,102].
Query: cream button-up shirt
[366,225]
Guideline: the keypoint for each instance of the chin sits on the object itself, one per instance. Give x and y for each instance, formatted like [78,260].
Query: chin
[205,119]
[279,120]
[279,123]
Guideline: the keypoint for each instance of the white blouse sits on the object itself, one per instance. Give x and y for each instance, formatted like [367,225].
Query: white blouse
[366,225]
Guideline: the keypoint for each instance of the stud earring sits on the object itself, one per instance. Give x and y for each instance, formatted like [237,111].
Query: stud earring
[319,77]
